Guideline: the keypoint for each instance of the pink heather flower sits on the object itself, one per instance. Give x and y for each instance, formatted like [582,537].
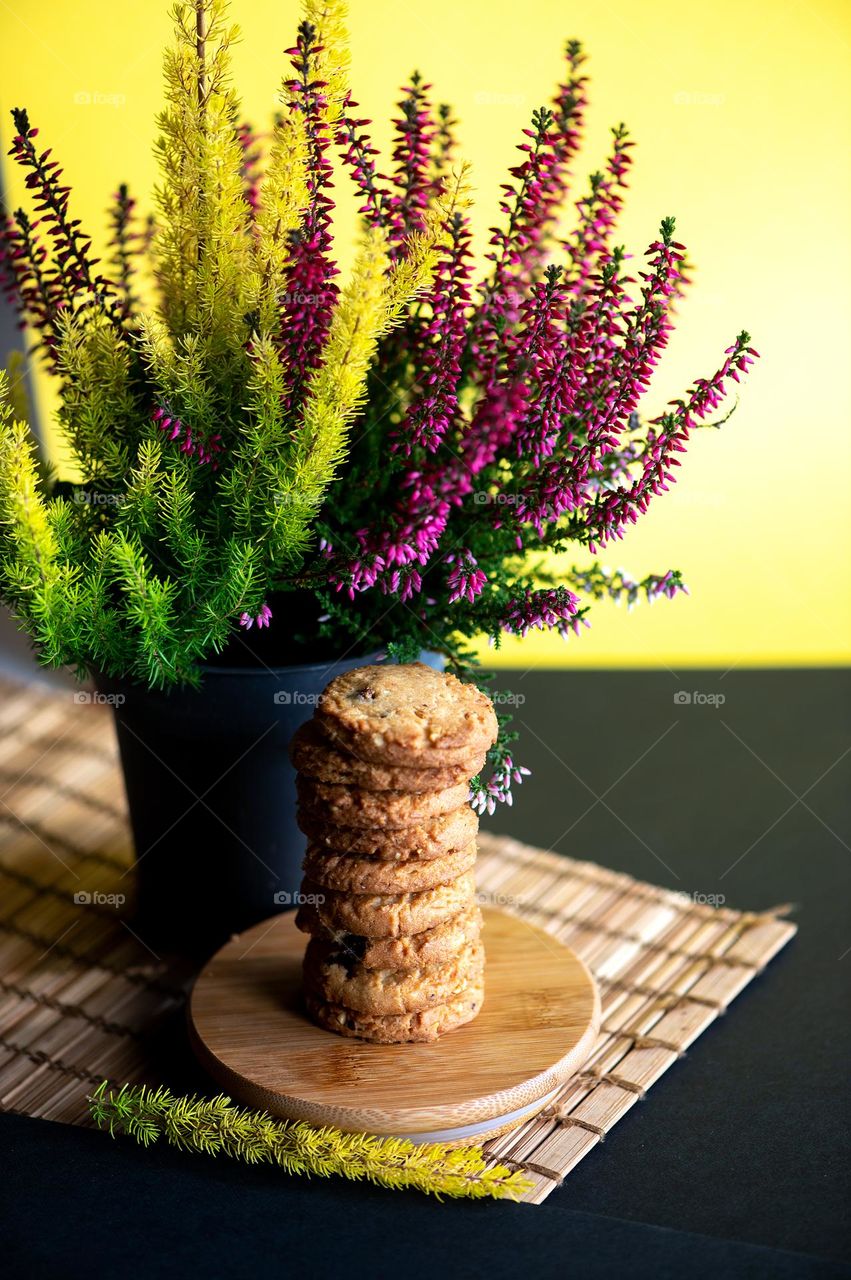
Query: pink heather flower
[525,206]
[308,301]
[568,118]
[615,466]
[484,798]
[389,553]
[465,579]
[47,282]
[550,608]
[411,585]
[531,354]
[204,451]
[669,584]
[648,328]
[249,142]
[584,339]
[617,585]
[357,154]
[598,214]
[36,292]
[262,619]
[530,205]
[623,352]
[123,242]
[615,509]
[444,145]
[438,347]
[412,179]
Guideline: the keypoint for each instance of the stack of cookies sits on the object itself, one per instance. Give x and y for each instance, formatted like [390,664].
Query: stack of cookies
[389,894]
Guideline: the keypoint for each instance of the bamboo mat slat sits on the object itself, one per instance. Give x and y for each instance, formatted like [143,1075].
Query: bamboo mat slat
[83,999]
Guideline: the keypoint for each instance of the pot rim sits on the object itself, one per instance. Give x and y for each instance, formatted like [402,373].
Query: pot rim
[280,672]
[274,673]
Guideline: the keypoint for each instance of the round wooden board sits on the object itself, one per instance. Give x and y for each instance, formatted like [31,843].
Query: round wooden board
[537,1026]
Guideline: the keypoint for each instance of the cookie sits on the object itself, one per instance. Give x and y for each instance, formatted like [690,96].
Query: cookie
[331,974]
[391,915]
[407,714]
[432,946]
[432,839]
[400,1028]
[377,875]
[316,757]
[353,807]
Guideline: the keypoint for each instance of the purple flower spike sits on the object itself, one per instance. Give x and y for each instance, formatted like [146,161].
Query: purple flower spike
[193,444]
[262,619]
[465,579]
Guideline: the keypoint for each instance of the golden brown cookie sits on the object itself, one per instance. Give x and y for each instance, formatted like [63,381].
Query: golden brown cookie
[432,946]
[400,1028]
[317,757]
[353,807]
[407,714]
[377,875]
[391,915]
[331,974]
[432,839]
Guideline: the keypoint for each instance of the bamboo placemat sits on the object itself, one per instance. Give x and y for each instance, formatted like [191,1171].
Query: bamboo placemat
[83,999]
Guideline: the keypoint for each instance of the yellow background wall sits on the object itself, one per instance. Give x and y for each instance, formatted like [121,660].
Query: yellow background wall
[741,111]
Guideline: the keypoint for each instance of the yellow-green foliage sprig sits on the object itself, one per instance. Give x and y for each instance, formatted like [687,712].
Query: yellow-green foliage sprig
[213,1126]
[202,247]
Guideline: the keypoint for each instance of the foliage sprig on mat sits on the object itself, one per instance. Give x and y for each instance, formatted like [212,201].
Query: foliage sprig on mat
[216,1127]
[423,454]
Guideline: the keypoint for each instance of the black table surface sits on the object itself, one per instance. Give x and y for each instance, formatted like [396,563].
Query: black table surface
[735,1164]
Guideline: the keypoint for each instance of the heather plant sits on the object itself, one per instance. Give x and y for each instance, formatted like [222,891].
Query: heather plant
[412,458]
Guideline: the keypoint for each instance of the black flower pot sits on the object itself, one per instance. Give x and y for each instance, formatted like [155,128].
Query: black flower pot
[211,794]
